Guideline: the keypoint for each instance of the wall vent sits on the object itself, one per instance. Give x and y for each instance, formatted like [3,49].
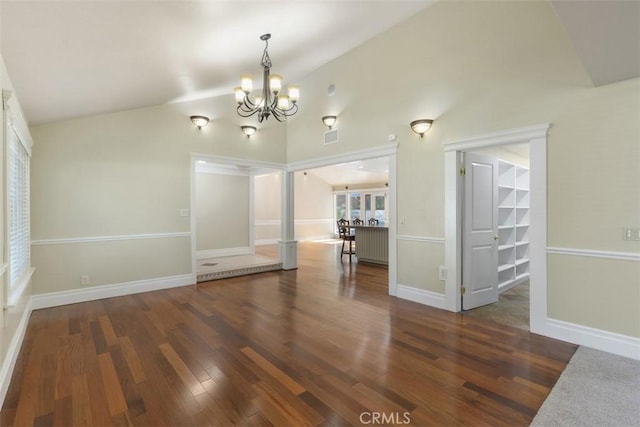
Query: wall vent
[331,136]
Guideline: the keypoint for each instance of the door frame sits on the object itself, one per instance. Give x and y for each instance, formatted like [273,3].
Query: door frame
[536,136]
[391,152]
[250,165]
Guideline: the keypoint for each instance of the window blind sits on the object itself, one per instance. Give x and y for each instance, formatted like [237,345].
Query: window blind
[19,217]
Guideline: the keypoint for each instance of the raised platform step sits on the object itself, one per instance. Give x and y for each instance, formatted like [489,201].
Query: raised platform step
[232,266]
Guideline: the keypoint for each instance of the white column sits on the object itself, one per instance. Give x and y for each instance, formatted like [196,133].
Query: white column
[288,244]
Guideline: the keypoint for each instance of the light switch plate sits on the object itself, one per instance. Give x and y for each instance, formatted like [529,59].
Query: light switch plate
[630,233]
[184,212]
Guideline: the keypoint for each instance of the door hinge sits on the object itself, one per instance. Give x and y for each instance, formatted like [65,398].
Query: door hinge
[462,171]
[462,290]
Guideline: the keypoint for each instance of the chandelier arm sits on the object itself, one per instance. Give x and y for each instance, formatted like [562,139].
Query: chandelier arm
[244,113]
[278,116]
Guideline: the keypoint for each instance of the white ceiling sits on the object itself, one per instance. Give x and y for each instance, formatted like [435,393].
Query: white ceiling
[75,58]
[606,36]
[355,173]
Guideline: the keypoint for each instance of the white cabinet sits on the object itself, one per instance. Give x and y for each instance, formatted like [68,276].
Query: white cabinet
[513,225]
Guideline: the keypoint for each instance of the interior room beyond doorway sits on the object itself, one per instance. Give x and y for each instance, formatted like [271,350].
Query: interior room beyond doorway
[512,205]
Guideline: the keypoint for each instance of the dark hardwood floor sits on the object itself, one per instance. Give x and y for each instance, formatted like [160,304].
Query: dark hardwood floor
[321,345]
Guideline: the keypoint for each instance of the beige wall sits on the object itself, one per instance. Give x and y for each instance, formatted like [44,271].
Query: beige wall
[127,174]
[313,207]
[313,200]
[477,68]
[222,211]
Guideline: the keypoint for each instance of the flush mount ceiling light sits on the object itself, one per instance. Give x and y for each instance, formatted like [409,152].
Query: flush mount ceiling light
[270,102]
[329,121]
[248,130]
[421,126]
[200,121]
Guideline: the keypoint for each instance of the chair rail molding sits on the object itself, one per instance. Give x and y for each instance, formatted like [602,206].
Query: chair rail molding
[91,239]
[594,253]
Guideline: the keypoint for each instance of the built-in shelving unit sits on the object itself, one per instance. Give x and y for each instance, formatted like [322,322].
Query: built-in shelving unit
[513,225]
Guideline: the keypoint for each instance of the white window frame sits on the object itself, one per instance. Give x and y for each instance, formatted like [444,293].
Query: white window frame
[18,213]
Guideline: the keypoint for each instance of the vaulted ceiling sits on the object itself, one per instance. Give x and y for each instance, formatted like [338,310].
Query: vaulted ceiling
[70,59]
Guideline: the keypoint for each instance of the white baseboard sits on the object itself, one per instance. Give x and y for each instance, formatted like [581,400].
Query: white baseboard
[6,370]
[622,345]
[421,296]
[73,296]
[313,238]
[215,253]
[263,242]
[505,288]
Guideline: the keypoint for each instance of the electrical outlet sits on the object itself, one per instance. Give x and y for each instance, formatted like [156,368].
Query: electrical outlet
[84,280]
[184,212]
[442,272]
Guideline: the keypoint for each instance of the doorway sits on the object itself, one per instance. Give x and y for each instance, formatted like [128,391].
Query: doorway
[536,136]
[495,234]
[223,217]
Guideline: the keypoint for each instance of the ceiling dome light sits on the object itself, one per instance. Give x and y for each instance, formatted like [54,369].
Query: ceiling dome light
[329,121]
[200,121]
[248,130]
[421,126]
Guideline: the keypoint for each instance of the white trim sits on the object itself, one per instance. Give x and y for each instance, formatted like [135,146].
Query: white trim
[215,169]
[312,221]
[536,136]
[16,291]
[508,137]
[3,269]
[370,153]
[13,350]
[236,161]
[314,238]
[392,215]
[625,256]
[192,218]
[262,242]
[254,167]
[610,342]
[252,214]
[108,238]
[74,296]
[432,299]
[216,253]
[17,119]
[436,240]
[263,222]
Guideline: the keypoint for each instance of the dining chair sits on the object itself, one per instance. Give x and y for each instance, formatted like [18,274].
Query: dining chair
[344,231]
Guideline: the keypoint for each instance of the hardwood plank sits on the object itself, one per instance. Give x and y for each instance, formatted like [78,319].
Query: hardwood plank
[107,330]
[276,373]
[133,361]
[182,369]
[112,391]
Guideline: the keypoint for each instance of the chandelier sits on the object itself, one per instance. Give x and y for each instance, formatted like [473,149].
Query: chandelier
[270,102]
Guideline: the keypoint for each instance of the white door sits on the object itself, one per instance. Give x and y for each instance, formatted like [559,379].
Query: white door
[480,231]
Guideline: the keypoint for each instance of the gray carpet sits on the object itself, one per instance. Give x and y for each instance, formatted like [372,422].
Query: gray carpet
[596,389]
